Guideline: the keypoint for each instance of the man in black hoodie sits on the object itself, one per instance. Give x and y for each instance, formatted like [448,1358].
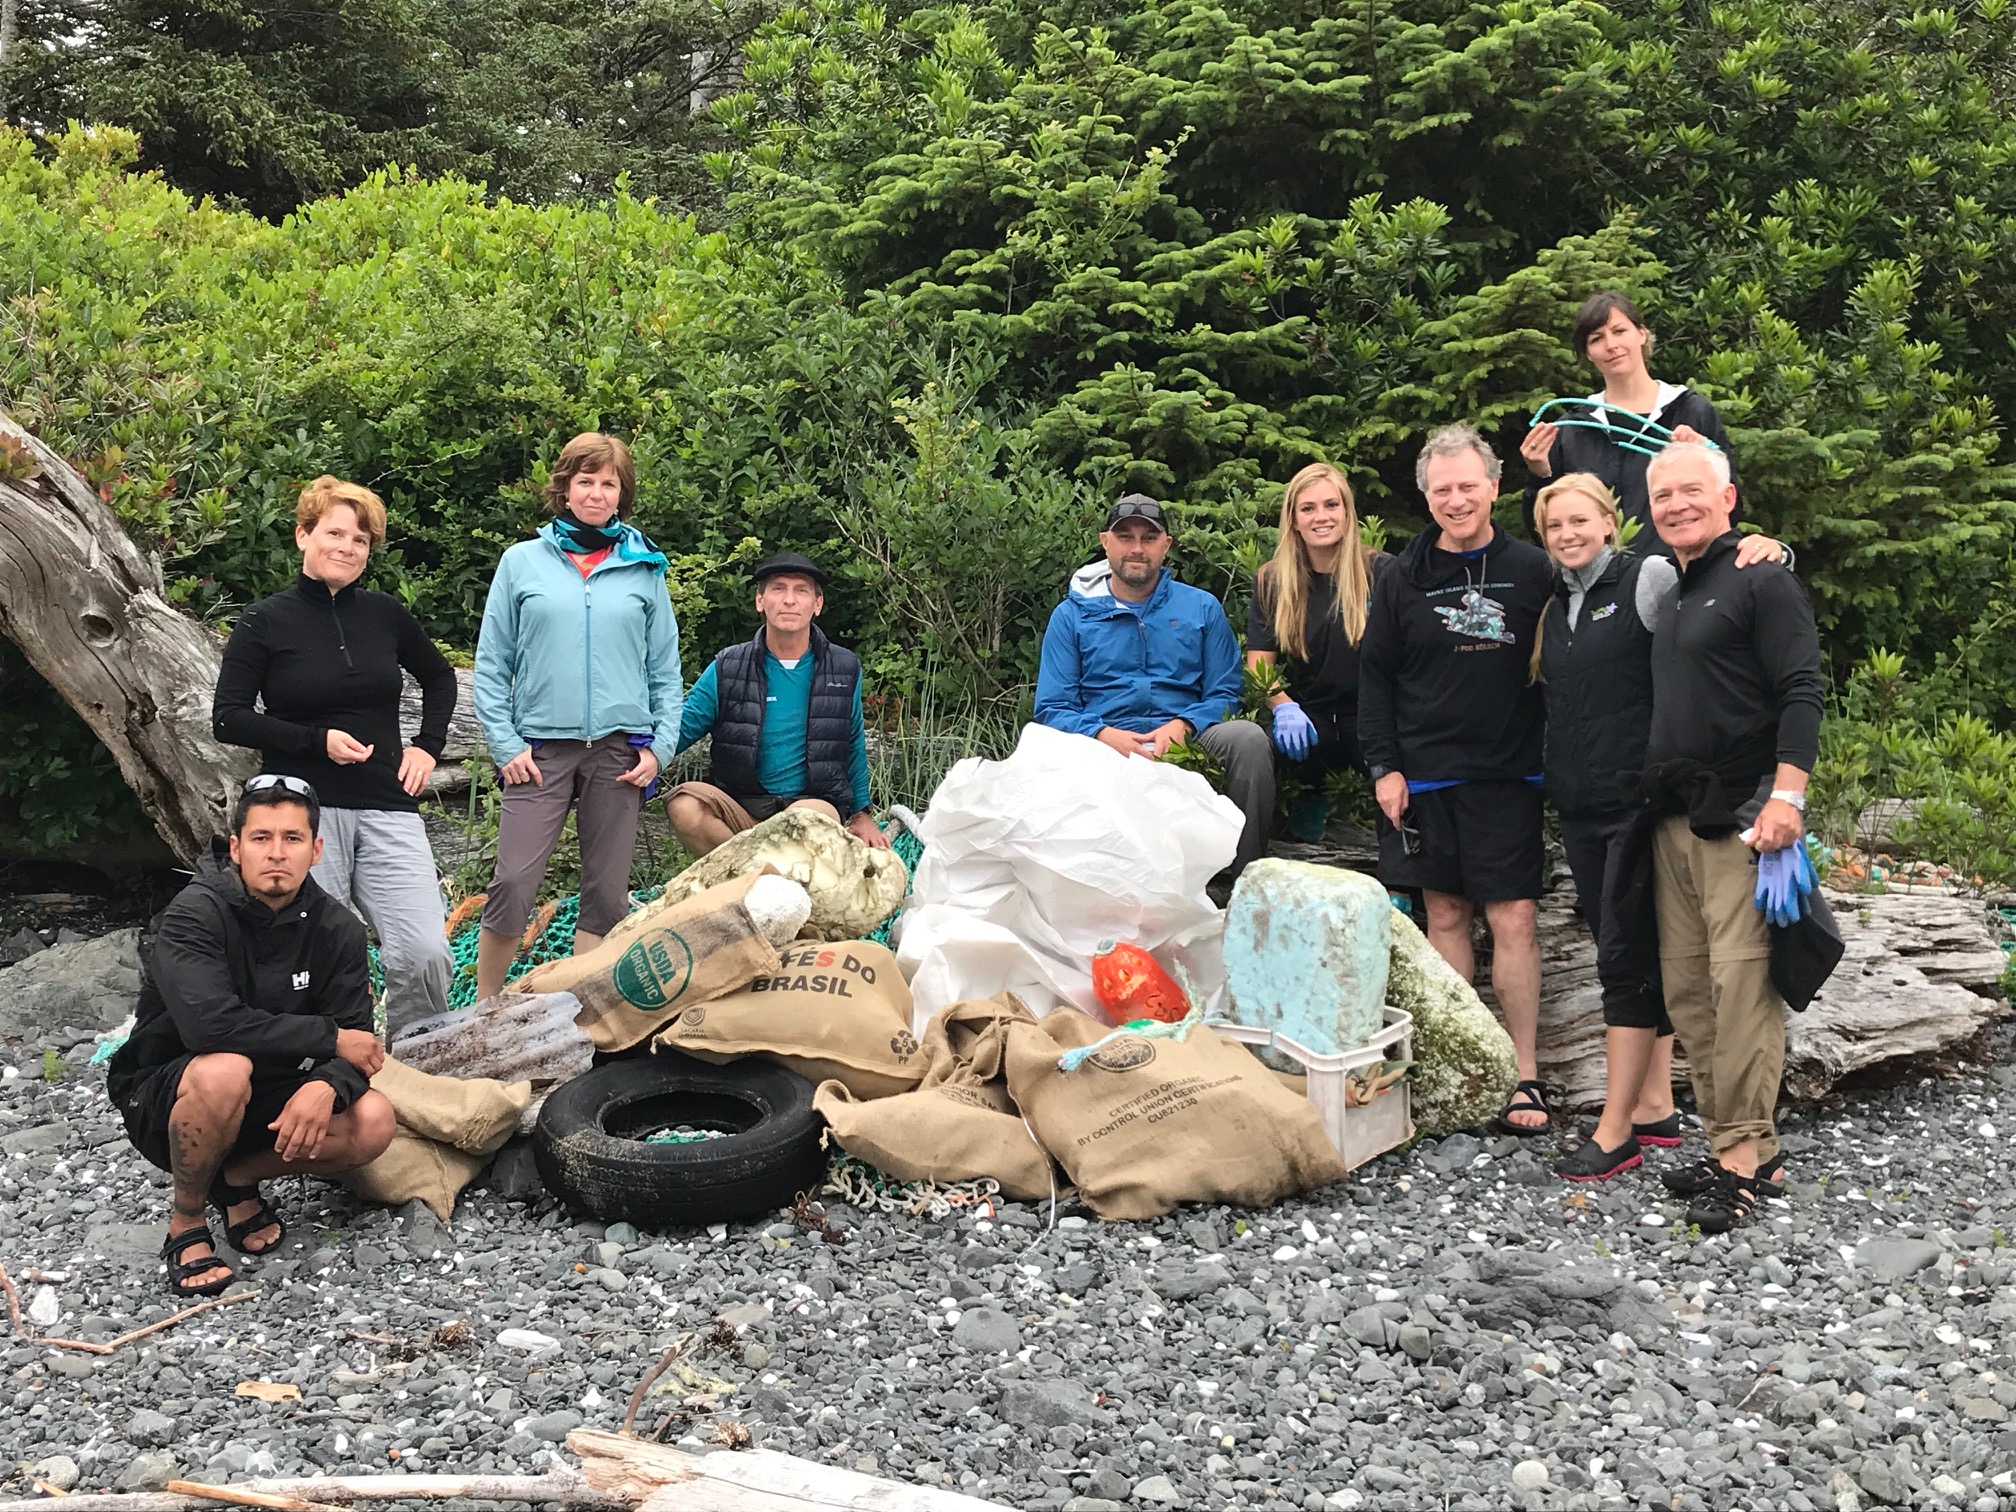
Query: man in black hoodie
[1450,722]
[253,1049]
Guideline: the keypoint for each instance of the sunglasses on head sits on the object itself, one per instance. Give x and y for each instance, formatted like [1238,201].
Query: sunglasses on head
[1152,513]
[269,782]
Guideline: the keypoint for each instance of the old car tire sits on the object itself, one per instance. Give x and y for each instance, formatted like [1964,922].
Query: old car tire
[591,1154]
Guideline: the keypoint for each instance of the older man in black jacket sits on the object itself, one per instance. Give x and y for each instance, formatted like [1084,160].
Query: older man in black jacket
[1737,697]
[253,1049]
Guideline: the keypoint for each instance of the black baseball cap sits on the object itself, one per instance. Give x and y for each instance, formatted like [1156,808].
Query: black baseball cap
[790,562]
[1135,506]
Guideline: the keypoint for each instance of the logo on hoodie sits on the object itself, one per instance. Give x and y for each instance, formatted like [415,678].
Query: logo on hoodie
[1477,617]
[300,981]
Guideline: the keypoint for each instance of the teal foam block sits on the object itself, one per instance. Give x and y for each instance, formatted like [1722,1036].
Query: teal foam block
[1306,953]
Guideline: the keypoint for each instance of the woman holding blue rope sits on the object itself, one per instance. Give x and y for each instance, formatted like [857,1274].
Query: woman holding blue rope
[1615,432]
[578,690]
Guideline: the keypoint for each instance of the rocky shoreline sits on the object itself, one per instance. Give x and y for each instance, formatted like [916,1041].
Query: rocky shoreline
[1453,1326]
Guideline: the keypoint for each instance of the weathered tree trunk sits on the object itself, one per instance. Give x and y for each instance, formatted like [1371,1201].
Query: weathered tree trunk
[85,606]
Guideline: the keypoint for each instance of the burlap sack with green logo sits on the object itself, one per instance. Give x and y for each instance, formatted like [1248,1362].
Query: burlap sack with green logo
[633,984]
[960,1124]
[1148,1123]
[830,1012]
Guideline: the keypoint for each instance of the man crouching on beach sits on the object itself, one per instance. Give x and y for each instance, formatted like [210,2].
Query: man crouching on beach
[253,1047]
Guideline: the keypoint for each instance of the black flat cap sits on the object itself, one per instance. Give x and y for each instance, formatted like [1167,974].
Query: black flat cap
[790,562]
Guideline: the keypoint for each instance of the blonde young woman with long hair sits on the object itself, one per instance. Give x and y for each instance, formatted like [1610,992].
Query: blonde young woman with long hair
[1308,614]
[1594,657]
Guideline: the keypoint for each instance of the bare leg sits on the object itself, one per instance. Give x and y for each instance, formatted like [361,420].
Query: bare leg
[494,955]
[202,1126]
[585,942]
[1654,1096]
[696,825]
[357,1136]
[1515,977]
[1449,931]
[1627,1055]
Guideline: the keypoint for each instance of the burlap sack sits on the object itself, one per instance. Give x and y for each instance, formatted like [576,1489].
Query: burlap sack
[960,1124]
[415,1166]
[474,1114]
[690,953]
[1148,1123]
[829,1012]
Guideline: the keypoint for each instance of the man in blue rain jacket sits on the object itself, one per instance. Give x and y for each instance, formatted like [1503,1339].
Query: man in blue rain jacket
[1138,661]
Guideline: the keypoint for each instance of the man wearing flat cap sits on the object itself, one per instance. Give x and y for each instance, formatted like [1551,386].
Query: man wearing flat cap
[785,713]
[1138,661]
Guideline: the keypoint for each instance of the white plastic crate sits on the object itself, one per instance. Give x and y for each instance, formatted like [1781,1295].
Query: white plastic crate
[1358,1132]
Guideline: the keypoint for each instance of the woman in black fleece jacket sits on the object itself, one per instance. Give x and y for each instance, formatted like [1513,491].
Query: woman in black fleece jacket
[1611,334]
[324,658]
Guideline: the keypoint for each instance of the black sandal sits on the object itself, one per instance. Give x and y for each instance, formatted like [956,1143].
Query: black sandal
[224,1197]
[1729,1205]
[180,1271]
[1534,1095]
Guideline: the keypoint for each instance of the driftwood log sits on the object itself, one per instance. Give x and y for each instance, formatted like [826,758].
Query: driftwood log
[561,1488]
[660,1478]
[86,607]
[1922,973]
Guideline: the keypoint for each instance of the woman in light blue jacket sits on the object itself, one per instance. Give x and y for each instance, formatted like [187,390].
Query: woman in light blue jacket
[577,688]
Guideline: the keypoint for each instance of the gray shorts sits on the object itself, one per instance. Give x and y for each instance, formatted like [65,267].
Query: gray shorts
[579,775]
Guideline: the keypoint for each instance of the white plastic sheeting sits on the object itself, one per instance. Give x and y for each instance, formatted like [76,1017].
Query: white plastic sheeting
[1031,862]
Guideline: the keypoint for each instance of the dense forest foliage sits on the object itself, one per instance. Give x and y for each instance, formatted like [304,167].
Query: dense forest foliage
[917,289]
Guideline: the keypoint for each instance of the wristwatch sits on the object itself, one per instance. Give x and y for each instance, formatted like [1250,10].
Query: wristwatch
[1786,795]
[1378,771]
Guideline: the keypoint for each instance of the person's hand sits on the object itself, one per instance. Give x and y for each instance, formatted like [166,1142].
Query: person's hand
[1758,548]
[299,1130]
[1686,433]
[645,772]
[1538,447]
[360,1047]
[521,768]
[1127,743]
[1294,732]
[344,751]
[1164,736]
[863,827]
[415,767]
[1391,791]
[1778,825]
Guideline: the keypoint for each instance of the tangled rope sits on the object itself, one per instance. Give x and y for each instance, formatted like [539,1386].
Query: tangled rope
[861,1185]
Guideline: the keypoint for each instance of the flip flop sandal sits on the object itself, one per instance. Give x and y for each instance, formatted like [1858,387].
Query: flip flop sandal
[180,1271]
[1534,1095]
[224,1197]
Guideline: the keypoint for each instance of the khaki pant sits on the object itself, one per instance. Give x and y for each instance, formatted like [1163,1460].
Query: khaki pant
[1715,954]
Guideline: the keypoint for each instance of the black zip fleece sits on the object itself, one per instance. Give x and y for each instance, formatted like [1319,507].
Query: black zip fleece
[324,662]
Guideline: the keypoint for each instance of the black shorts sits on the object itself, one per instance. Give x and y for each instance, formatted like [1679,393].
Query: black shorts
[152,1098]
[1479,840]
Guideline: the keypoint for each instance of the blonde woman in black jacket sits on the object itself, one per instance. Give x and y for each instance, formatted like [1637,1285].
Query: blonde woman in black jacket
[1308,616]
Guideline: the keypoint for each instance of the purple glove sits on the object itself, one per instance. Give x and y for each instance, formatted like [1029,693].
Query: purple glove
[1293,733]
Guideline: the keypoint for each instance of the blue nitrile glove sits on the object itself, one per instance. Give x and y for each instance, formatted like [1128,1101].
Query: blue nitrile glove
[1784,878]
[1293,732]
